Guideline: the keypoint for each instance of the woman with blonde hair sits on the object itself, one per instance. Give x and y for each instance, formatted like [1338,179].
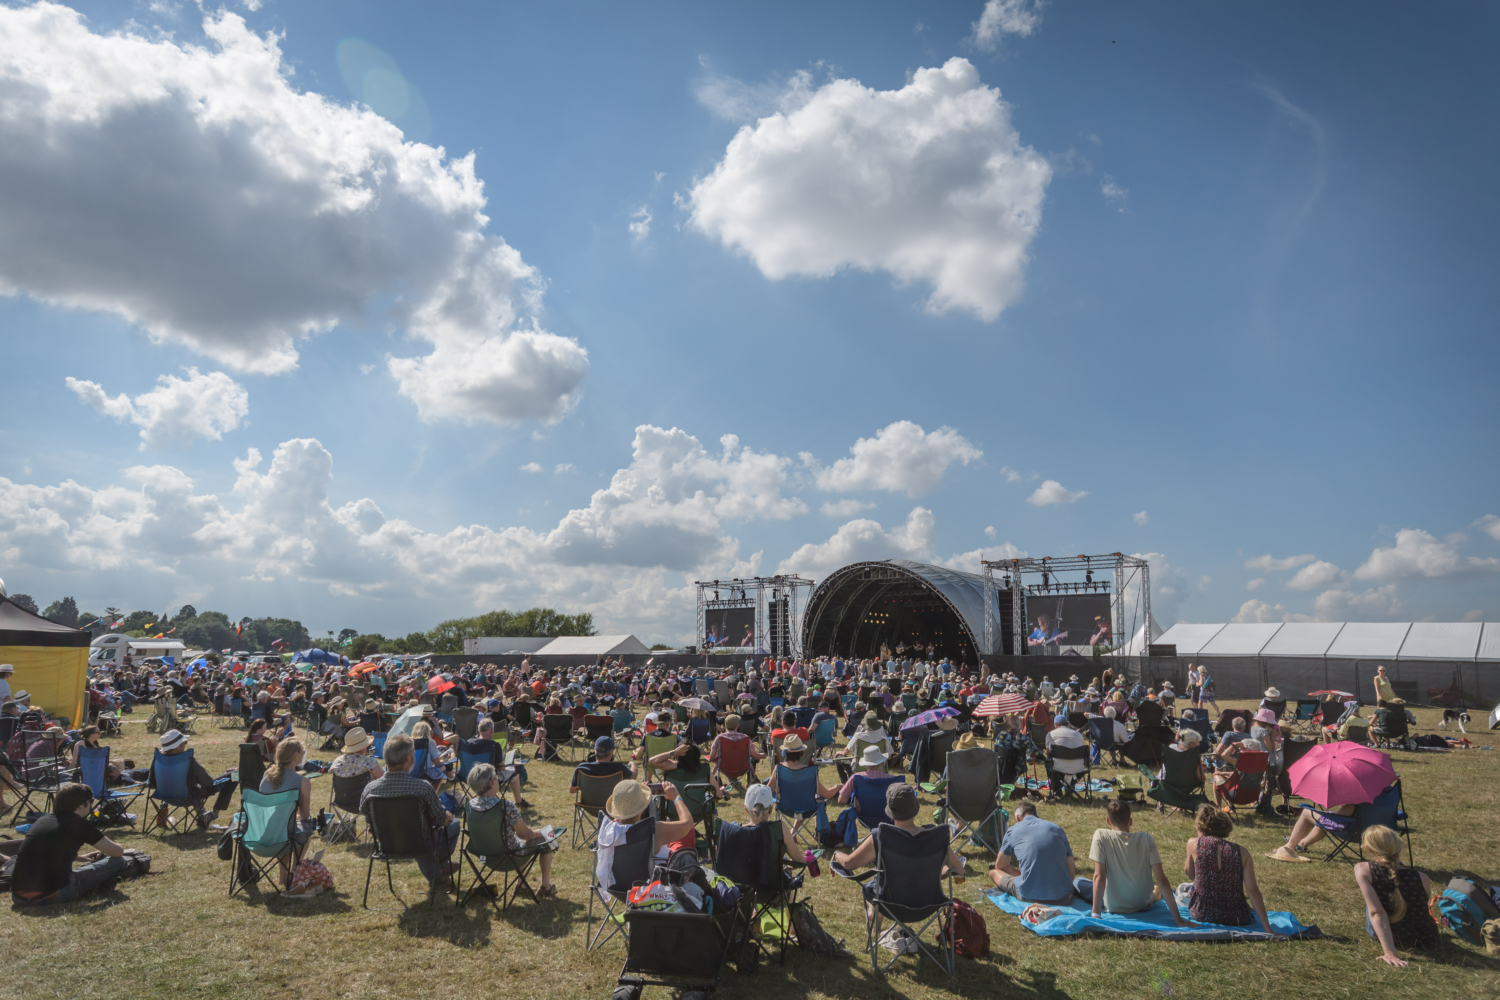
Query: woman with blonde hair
[435,769]
[282,776]
[1396,913]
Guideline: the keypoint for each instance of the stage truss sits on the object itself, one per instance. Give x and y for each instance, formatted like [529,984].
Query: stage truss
[1130,604]
[779,602]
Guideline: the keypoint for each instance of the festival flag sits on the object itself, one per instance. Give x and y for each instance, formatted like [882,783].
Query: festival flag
[147,626]
[118,623]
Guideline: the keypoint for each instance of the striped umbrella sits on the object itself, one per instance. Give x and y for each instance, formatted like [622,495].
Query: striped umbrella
[932,715]
[1002,704]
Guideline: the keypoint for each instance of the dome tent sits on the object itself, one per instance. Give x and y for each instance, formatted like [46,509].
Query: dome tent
[51,660]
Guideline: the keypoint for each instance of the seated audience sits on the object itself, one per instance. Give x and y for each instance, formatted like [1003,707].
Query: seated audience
[1396,913]
[353,760]
[626,807]
[1128,872]
[282,776]
[200,785]
[603,765]
[1222,875]
[1036,861]
[440,829]
[484,783]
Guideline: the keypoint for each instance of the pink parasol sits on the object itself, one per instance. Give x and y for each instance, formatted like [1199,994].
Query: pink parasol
[1002,704]
[1341,774]
[440,684]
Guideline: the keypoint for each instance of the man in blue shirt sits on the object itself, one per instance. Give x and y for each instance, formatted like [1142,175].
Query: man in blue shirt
[1036,861]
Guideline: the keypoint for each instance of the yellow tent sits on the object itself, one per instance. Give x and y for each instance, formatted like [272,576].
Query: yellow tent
[51,660]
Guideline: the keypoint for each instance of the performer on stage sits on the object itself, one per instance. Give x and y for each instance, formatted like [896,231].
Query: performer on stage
[1045,637]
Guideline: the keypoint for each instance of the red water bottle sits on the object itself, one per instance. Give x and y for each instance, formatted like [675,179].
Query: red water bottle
[812,863]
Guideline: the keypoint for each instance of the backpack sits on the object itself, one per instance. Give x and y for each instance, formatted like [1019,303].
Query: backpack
[971,938]
[1464,907]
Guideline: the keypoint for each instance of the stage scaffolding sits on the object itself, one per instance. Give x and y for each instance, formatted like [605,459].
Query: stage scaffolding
[779,602]
[1130,606]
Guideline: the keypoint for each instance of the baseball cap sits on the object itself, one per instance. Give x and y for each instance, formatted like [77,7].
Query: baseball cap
[604,745]
[759,797]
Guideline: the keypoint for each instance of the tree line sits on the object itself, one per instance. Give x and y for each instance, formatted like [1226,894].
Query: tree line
[214,630]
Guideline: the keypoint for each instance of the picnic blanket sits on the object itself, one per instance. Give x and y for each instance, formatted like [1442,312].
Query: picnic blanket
[1156,922]
[1096,786]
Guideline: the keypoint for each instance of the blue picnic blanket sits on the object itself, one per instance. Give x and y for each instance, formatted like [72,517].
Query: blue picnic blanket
[1156,922]
[1096,786]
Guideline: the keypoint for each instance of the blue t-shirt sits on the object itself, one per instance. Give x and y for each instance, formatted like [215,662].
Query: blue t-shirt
[1041,851]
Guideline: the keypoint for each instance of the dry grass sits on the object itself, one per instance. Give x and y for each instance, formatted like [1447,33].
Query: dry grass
[175,933]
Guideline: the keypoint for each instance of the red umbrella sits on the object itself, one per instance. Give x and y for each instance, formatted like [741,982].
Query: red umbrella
[1341,774]
[439,684]
[363,668]
[1002,704]
[1342,694]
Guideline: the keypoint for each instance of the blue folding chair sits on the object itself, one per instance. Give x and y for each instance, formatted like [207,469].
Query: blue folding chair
[868,798]
[233,716]
[797,797]
[379,746]
[824,733]
[171,791]
[93,766]
[849,701]
[267,835]
[1388,809]
[776,702]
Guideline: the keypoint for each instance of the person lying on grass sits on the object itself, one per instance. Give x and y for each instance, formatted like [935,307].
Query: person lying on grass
[1128,872]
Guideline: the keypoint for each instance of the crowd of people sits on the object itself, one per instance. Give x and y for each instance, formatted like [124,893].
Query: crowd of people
[669,729]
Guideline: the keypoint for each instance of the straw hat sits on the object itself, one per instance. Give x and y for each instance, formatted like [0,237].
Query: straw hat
[6,668]
[55,733]
[21,697]
[356,740]
[172,739]
[872,757]
[948,724]
[627,801]
[1273,694]
[792,743]
[968,741]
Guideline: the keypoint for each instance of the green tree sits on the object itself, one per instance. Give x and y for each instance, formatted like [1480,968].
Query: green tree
[25,601]
[64,612]
[137,621]
[364,645]
[210,631]
[112,615]
[268,630]
[184,614]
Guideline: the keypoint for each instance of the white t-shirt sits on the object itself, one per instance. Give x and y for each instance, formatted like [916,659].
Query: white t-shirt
[1063,736]
[1128,858]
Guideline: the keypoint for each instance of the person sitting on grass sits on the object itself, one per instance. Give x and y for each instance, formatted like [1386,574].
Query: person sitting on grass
[484,783]
[44,871]
[1128,872]
[1222,874]
[1036,861]
[1396,913]
[439,828]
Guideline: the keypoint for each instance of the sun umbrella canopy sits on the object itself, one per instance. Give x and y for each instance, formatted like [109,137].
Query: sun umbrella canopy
[363,668]
[440,684]
[1495,718]
[1341,694]
[696,705]
[924,718]
[1341,774]
[1002,704]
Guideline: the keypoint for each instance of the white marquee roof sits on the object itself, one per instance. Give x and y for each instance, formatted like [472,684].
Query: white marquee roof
[1362,640]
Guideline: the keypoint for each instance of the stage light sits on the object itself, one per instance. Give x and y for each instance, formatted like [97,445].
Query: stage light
[716,595]
[1089,576]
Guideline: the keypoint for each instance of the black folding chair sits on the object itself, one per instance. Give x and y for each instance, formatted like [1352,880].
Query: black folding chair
[588,806]
[907,889]
[466,722]
[252,768]
[1068,781]
[632,865]
[399,828]
[753,858]
[557,735]
[486,848]
[343,803]
[1102,736]
[682,951]
[972,796]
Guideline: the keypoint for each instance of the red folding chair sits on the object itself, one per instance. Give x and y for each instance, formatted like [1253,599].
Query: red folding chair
[1244,786]
[734,759]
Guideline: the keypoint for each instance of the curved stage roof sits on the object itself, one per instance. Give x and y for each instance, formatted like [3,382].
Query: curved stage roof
[857,608]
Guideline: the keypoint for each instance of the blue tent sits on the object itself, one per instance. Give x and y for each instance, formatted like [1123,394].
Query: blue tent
[320,658]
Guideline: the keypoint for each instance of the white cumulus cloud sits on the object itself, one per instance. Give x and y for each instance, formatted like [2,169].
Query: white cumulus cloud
[531,467]
[1052,493]
[1417,555]
[1142,518]
[1270,564]
[1316,575]
[900,458]
[930,183]
[862,540]
[970,562]
[193,191]
[1256,583]
[1006,17]
[1259,611]
[989,532]
[1114,193]
[1490,525]
[177,410]
[640,223]
[1339,605]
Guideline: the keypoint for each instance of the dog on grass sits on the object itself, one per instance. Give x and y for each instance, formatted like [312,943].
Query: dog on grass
[1454,717]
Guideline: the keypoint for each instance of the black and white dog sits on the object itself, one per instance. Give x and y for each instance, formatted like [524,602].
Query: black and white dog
[1454,717]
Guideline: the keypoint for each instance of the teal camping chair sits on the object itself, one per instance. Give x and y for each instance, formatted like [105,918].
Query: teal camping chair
[265,837]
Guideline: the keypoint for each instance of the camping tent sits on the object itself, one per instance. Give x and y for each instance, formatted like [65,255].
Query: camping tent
[320,657]
[51,660]
[594,645]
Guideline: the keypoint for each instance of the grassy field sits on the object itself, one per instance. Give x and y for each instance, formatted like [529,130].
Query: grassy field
[177,934]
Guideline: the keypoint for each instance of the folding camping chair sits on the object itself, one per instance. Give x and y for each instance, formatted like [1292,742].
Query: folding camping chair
[1292,750]
[557,736]
[1244,786]
[267,834]
[233,717]
[655,746]
[1069,782]
[682,951]
[588,805]
[595,726]
[824,734]
[632,865]
[399,830]
[908,887]
[1305,715]
[171,792]
[1388,809]
[466,722]
[867,798]
[343,804]
[624,723]
[1102,736]
[724,692]
[797,798]
[378,748]
[702,805]
[753,858]
[1181,788]
[37,775]
[1389,729]
[699,731]
[1226,719]
[1277,707]
[1200,725]
[972,796]
[734,761]
[486,847]
[251,768]
[109,803]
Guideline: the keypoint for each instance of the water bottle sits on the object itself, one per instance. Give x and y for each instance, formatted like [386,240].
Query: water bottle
[812,863]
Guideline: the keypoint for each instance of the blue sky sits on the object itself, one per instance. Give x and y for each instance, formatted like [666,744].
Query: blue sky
[1213,283]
